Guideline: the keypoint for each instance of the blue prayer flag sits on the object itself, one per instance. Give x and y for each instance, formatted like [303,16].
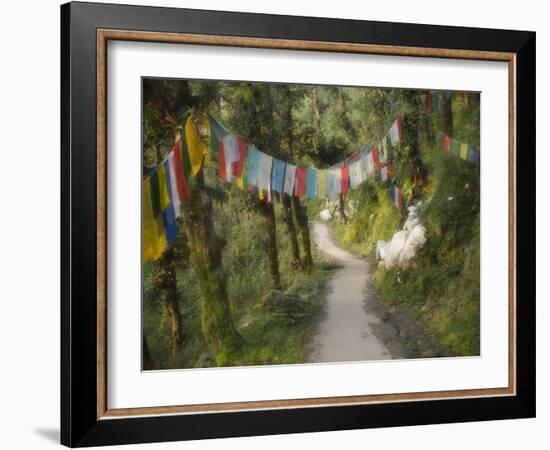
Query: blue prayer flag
[278,175]
[311,182]
[254,158]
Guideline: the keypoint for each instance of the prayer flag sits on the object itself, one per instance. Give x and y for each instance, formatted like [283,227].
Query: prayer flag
[278,176]
[333,183]
[230,154]
[181,181]
[473,154]
[217,133]
[191,182]
[377,175]
[364,165]
[264,174]
[322,184]
[174,191]
[154,241]
[344,179]
[195,146]
[300,183]
[253,165]
[464,151]
[169,213]
[384,173]
[370,164]
[237,166]
[311,182]
[456,147]
[290,176]
[446,143]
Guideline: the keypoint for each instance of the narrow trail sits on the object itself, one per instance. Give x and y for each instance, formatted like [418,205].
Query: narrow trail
[346,333]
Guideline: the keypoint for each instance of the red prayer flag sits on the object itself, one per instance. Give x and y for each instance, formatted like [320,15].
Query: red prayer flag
[181,182]
[391,171]
[237,166]
[399,126]
[222,172]
[345,179]
[376,157]
[300,183]
[446,143]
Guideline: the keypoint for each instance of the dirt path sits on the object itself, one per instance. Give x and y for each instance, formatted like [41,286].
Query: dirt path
[348,330]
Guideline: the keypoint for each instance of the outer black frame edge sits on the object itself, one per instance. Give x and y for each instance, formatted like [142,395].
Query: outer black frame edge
[79,426]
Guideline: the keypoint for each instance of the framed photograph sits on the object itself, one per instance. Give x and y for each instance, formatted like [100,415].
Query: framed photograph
[276,224]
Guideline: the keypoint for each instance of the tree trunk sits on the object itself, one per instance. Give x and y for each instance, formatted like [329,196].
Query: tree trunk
[291,228]
[172,309]
[267,212]
[317,120]
[341,209]
[206,248]
[446,114]
[302,220]
[147,360]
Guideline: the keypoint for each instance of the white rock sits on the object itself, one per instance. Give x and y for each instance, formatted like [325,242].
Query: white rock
[325,215]
[381,249]
[393,249]
[410,223]
[415,240]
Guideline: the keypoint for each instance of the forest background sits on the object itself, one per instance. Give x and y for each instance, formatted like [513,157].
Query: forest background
[208,301]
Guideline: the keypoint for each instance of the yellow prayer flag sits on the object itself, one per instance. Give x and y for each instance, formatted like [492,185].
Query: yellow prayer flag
[322,183]
[163,189]
[464,151]
[154,240]
[195,146]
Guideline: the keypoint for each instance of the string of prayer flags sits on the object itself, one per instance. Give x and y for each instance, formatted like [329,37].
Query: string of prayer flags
[278,176]
[464,151]
[300,182]
[311,182]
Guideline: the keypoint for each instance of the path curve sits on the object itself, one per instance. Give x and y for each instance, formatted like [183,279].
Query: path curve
[346,332]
